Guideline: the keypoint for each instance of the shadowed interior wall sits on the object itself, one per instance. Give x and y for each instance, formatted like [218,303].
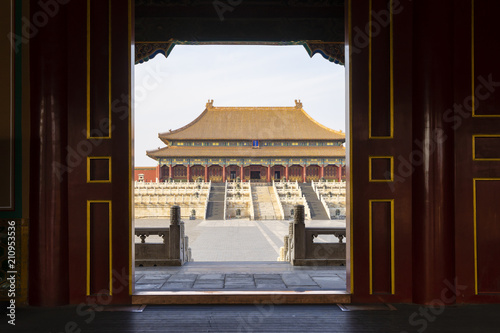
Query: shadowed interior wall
[444,222]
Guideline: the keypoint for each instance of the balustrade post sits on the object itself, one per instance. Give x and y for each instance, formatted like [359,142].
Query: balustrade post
[286,248]
[291,248]
[299,233]
[175,233]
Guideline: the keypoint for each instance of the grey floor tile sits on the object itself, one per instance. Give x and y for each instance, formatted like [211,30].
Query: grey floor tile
[152,281]
[177,286]
[298,280]
[267,276]
[211,277]
[208,286]
[148,286]
[239,287]
[154,276]
[271,286]
[182,278]
[238,276]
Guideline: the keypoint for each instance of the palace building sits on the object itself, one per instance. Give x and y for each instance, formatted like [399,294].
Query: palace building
[252,144]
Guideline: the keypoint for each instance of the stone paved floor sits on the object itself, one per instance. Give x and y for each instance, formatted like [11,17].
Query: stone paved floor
[228,276]
[237,255]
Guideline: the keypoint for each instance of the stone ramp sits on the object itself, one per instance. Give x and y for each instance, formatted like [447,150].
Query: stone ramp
[276,203]
[317,210]
[264,208]
[215,207]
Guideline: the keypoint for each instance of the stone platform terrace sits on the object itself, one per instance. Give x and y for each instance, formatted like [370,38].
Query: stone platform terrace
[240,276]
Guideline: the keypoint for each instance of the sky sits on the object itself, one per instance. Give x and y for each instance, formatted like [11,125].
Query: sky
[171,92]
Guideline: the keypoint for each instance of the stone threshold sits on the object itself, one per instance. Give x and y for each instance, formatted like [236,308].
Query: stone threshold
[241,297]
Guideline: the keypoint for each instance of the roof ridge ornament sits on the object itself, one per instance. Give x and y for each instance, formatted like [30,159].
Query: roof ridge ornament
[298,104]
[210,104]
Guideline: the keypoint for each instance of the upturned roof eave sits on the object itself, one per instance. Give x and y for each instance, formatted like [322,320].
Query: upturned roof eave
[229,155]
[165,135]
[180,133]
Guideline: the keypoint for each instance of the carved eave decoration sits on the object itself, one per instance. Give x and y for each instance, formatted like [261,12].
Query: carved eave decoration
[148,50]
[332,51]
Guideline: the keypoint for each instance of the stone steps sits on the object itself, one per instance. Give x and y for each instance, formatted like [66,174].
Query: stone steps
[215,207]
[316,207]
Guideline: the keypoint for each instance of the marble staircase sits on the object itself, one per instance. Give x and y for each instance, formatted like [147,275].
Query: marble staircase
[316,207]
[215,207]
[264,203]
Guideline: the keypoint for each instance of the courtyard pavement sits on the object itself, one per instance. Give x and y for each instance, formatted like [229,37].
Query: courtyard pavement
[238,255]
[247,276]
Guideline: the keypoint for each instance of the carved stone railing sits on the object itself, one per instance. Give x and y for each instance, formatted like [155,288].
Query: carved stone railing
[207,199]
[277,198]
[301,250]
[225,198]
[325,206]
[173,251]
[338,189]
[252,211]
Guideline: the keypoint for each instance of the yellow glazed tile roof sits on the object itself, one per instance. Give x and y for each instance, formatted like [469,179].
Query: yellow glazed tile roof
[253,123]
[248,152]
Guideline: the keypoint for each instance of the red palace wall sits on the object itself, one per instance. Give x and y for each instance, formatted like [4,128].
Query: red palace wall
[150,173]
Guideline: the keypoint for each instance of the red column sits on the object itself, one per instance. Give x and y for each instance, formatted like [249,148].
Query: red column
[206,173]
[188,172]
[223,173]
[433,200]
[339,172]
[158,173]
[268,173]
[48,241]
[322,172]
[304,173]
[286,172]
[170,171]
[241,173]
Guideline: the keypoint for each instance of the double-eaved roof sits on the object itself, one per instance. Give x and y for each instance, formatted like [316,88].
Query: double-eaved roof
[247,124]
[242,152]
[253,123]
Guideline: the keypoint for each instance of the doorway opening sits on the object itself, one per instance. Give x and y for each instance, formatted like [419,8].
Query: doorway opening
[236,209]
[255,175]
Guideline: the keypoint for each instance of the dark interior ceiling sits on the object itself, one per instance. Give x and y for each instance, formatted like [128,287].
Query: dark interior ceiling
[239,20]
